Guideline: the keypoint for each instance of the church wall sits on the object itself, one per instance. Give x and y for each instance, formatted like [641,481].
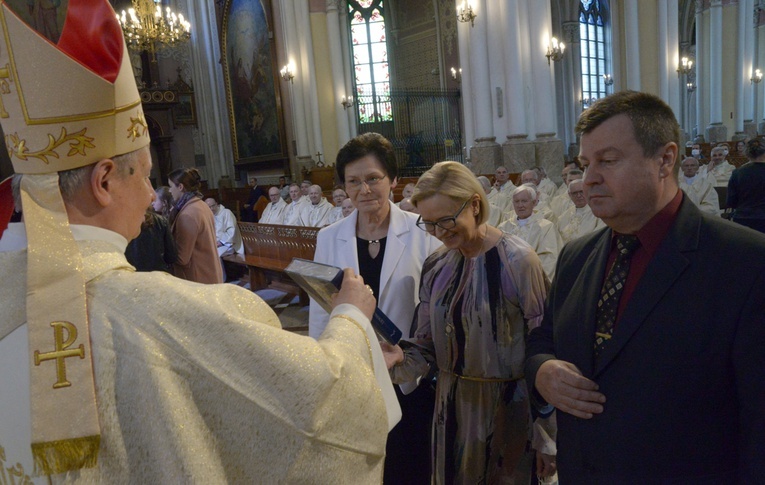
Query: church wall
[325,86]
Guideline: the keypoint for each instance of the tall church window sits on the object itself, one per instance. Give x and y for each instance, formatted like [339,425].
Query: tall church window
[369,50]
[592,37]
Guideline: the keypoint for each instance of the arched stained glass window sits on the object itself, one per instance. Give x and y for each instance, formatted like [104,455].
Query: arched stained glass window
[369,50]
[592,36]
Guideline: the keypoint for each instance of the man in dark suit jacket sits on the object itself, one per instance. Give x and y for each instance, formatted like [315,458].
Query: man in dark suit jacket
[248,213]
[676,392]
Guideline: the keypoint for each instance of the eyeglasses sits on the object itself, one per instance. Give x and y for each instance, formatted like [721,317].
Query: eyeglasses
[444,223]
[371,182]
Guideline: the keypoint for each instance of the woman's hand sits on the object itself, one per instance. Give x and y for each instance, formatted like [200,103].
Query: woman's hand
[393,354]
[354,291]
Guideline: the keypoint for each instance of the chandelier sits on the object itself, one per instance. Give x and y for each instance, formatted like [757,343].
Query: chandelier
[147,27]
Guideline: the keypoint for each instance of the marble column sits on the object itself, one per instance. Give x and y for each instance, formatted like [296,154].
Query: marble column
[672,44]
[573,80]
[464,32]
[750,95]
[701,82]
[548,147]
[299,117]
[486,153]
[479,73]
[743,69]
[517,149]
[209,91]
[308,84]
[632,44]
[347,68]
[663,51]
[716,131]
[334,33]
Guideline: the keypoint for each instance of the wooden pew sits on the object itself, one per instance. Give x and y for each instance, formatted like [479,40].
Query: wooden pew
[269,248]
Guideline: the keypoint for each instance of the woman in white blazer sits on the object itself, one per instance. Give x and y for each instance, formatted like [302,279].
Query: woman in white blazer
[382,243]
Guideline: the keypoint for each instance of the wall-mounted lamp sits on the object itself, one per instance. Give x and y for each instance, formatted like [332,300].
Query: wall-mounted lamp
[457,74]
[288,72]
[608,80]
[465,13]
[555,50]
[756,77]
[347,102]
[691,87]
[685,67]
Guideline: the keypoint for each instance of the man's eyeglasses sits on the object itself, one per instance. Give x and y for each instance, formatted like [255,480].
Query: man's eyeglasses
[444,223]
[371,182]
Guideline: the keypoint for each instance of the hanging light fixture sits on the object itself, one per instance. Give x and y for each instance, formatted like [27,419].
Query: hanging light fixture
[147,27]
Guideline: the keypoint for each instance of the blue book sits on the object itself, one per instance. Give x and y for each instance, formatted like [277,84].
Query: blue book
[321,281]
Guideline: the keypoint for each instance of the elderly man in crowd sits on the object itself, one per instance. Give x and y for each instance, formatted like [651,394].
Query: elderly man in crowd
[502,190]
[545,185]
[496,214]
[274,211]
[561,203]
[541,234]
[543,203]
[293,209]
[406,192]
[316,212]
[718,170]
[699,189]
[114,376]
[338,196]
[227,235]
[348,208]
[578,220]
[563,187]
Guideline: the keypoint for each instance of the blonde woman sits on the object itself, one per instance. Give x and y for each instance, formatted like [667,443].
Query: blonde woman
[479,295]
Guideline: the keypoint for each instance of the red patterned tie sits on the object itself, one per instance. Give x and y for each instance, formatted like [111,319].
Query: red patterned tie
[611,293]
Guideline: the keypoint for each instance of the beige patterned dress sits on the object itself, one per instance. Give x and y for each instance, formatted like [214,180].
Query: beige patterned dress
[473,316]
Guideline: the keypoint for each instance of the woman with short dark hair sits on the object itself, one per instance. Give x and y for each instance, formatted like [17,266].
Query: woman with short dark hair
[382,244]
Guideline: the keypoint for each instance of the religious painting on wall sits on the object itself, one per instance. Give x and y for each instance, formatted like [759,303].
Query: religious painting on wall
[45,16]
[252,88]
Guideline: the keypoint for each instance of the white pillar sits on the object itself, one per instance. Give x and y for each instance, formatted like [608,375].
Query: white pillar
[540,23]
[632,44]
[481,92]
[495,14]
[308,84]
[663,51]
[750,63]
[464,32]
[209,90]
[701,84]
[673,57]
[334,33]
[743,67]
[347,68]
[515,100]
[292,51]
[715,62]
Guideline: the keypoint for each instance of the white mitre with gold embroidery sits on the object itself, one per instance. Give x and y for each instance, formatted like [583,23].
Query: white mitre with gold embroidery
[63,105]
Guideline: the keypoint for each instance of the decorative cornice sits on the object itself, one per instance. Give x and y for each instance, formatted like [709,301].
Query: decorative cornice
[571,32]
